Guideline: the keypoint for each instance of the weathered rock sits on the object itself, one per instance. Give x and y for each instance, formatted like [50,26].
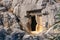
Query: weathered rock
[8,18]
[2,34]
[8,37]
[1,19]
[18,35]
[11,21]
[37,38]
[7,3]
[3,9]
[27,37]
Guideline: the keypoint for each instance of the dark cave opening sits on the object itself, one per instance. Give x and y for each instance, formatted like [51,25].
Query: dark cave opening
[33,23]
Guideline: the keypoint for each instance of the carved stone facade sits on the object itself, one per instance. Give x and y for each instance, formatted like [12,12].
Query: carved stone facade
[37,9]
[23,6]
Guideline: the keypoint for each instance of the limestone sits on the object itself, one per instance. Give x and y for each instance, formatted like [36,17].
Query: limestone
[2,9]
[2,34]
[27,37]
[18,35]
[12,20]
[37,38]
[8,18]
[1,19]
[7,3]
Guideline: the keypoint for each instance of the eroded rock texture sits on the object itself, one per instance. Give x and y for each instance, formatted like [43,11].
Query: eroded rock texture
[15,19]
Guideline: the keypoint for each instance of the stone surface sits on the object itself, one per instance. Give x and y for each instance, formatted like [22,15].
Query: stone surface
[27,37]
[12,22]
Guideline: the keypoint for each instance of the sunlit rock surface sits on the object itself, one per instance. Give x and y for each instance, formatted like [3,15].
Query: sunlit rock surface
[14,25]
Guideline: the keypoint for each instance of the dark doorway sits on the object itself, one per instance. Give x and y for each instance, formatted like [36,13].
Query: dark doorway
[33,23]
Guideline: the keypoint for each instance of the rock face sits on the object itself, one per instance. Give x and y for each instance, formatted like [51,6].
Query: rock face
[16,18]
[32,5]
